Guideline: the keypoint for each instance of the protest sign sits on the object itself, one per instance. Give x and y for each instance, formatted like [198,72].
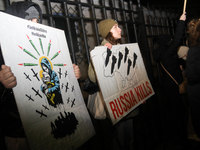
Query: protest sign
[122,78]
[47,94]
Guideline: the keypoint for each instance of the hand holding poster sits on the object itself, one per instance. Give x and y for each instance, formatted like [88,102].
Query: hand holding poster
[122,78]
[47,94]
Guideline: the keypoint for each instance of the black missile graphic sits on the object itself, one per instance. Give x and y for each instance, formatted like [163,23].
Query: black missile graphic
[114,60]
[129,65]
[135,58]
[109,52]
[120,59]
[126,54]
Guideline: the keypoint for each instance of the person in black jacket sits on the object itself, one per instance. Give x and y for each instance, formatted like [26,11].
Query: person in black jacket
[166,54]
[10,122]
[192,73]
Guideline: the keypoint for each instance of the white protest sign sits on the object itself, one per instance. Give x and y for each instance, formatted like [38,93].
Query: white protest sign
[47,94]
[122,78]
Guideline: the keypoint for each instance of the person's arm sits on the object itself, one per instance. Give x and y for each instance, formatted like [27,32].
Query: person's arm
[178,36]
[77,71]
[7,78]
[91,73]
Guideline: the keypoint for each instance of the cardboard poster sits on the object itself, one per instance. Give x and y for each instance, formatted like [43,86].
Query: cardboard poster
[47,94]
[122,78]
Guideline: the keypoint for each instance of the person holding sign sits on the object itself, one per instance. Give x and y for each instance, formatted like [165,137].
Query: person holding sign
[174,112]
[109,29]
[11,125]
[111,33]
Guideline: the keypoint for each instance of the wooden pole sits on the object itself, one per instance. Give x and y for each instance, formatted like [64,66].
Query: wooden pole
[184,6]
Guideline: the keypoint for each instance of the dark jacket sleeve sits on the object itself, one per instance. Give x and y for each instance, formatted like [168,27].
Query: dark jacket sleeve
[178,36]
[168,59]
[170,49]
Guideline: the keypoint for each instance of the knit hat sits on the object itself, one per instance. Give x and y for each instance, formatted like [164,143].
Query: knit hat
[182,50]
[19,9]
[105,26]
[32,13]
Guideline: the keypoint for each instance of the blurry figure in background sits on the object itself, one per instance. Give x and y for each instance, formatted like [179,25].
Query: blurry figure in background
[182,55]
[193,73]
[182,52]
[174,110]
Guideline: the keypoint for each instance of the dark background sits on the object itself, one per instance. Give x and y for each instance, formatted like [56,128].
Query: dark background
[172,3]
[192,6]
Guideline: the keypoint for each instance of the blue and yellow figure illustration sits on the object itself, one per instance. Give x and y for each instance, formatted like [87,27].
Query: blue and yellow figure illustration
[51,84]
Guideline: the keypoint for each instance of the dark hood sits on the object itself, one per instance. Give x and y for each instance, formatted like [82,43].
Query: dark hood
[18,9]
[157,53]
[162,39]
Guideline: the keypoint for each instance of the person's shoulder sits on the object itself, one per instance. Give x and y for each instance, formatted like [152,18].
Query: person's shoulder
[194,50]
[157,53]
[104,42]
